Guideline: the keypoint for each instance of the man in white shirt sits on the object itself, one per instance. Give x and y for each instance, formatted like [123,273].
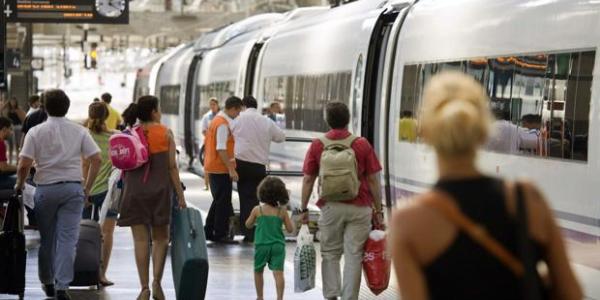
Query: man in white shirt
[210,115]
[253,134]
[505,138]
[57,147]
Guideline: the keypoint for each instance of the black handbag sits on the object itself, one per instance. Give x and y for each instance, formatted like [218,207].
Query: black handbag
[532,286]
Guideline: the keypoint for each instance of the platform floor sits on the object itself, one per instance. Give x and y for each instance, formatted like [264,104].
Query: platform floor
[230,271]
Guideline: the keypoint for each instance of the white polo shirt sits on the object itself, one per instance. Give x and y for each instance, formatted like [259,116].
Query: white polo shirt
[57,146]
[253,134]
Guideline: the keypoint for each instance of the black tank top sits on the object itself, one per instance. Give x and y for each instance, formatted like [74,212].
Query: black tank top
[465,270]
[14,118]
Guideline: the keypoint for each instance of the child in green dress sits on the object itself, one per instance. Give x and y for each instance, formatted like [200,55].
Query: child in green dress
[269,242]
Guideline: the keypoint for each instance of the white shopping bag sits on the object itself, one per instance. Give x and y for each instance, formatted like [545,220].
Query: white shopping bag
[305,262]
[28,193]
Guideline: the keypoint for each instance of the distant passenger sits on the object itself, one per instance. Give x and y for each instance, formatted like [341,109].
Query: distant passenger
[57,148]
[407,129]
[436,241]
[210,114]
[206,119]
[17,116]
[146,202]
[34,104]
[114,117]
[344,225]
[276,114]
[97,114]
[7,171]
[253,134]
[269,242]
[219,163]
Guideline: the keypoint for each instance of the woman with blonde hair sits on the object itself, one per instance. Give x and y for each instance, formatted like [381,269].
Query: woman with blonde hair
[438,246]
[97,114]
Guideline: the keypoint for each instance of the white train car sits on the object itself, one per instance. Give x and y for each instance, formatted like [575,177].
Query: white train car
[317,59]
[221,70]
[533,57]
[171,83]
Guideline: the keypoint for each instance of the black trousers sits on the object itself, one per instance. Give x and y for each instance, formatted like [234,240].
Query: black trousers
[221,209]
[251,174]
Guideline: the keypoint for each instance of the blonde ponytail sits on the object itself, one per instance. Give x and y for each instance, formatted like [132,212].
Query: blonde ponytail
[456,117]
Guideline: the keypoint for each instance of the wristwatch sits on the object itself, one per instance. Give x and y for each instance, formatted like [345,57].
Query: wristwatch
[303,210]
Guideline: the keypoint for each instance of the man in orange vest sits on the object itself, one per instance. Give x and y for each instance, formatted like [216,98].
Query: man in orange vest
[219,163]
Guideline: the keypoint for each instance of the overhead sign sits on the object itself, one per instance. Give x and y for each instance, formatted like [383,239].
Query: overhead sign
[67,11]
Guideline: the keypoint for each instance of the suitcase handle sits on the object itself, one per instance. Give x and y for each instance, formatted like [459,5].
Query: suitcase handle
[192,228]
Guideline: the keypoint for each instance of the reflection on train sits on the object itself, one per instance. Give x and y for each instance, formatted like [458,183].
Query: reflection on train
[536,63]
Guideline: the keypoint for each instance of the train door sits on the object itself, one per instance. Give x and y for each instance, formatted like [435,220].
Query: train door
[251,69]
[374,74]
[189,110]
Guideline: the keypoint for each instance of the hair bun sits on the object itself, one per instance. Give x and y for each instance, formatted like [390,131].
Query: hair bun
[456,117]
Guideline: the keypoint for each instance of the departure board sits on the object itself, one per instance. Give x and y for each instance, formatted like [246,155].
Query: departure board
[67,11]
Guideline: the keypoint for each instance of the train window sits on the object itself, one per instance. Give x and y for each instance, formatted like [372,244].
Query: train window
[220,90]
[304,97]
[169,99]
[541,102]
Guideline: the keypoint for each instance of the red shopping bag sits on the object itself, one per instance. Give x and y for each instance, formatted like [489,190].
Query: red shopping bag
[376,262]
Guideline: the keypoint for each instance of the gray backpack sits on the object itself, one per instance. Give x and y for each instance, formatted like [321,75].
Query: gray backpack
[338,170]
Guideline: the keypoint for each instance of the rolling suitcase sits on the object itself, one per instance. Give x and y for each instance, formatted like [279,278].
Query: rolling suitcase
[189,256]
[87,259]
[13,254]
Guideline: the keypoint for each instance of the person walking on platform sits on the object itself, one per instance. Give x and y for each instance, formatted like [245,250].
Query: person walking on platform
[219,163]
[253,134]
[57,147]
[34,104]
[344,225]
[206,119]
[438,248]
[146,202]
[7,171]
[97,114]
[269,246]
[13,112]
[114,117]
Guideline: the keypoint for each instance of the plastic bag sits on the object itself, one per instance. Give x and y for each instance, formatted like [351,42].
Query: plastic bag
[376,262]
[28,194]
[113,196]
[305,262]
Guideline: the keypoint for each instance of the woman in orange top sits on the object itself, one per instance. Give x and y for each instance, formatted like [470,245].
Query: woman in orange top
[146,203]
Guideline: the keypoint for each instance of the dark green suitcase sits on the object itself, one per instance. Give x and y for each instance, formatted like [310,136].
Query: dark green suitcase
[189,256]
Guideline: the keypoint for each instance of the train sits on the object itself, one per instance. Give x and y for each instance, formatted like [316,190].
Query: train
[534,58]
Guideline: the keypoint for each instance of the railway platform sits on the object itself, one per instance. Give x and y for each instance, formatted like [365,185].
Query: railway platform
[230,266]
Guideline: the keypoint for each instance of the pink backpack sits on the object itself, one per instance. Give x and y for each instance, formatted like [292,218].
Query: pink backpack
[128,150]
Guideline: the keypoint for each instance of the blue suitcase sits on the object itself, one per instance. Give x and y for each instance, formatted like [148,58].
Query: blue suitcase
[189,256]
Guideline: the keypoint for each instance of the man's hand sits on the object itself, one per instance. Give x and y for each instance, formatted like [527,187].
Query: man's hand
[233,175]
[18,187]
[304,216]
[378,220]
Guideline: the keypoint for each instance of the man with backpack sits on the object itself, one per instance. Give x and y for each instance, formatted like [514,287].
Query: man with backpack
[349,195]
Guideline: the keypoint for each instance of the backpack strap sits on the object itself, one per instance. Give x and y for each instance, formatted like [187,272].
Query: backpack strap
[442,203]
[346,142]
